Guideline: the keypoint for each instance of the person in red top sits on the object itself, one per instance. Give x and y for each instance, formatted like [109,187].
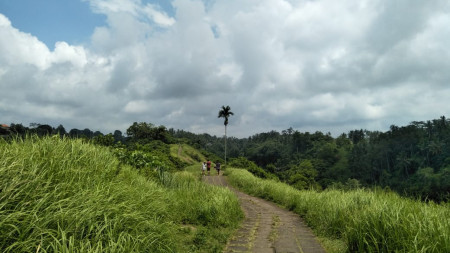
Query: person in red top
[208,166]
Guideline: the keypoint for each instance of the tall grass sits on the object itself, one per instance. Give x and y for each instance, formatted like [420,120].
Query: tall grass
[368,221]
[62,195]
[188,154]
[199,203]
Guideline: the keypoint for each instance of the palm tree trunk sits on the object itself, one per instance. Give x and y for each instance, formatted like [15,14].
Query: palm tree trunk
[225,145]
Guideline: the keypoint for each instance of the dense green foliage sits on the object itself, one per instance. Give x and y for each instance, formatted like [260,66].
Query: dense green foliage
[413,160]
[367,221]
[64,195]
[242,162]
[73,195]
[144,132]
[154,154]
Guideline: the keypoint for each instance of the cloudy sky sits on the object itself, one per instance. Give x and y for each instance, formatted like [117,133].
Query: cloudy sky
[324,65]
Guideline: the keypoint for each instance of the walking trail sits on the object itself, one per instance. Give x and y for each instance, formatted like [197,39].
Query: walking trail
[267,227]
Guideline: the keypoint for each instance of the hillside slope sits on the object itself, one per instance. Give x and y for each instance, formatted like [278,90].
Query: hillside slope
[186,153]
[64,195]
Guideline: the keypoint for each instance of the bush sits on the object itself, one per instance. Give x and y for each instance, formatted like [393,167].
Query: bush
[150,156]
[244,163]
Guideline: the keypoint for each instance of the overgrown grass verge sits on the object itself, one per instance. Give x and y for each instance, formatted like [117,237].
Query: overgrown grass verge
[63,195]
[366,221]
[186,153]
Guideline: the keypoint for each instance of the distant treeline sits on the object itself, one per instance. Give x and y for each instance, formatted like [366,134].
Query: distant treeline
[413,160]
[44,129]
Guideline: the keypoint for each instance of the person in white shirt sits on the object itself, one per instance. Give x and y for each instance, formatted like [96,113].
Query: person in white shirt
[203,168]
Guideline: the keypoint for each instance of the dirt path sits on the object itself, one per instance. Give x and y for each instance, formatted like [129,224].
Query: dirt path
[180,149]
[267,227]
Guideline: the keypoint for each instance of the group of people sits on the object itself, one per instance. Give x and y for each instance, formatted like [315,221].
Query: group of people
[206,166]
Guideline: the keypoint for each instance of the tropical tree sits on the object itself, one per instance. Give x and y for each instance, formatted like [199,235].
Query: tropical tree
[225,113]
[60,130]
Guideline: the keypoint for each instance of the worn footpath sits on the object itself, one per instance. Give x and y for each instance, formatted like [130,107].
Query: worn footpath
[267,227]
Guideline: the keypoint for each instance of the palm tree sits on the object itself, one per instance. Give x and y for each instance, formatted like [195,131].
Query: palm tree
[225,113]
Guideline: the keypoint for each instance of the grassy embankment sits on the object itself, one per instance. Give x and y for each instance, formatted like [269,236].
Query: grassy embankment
[186,153]
[62,195]
[360,220]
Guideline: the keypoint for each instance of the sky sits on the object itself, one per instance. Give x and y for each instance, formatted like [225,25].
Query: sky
[313,65]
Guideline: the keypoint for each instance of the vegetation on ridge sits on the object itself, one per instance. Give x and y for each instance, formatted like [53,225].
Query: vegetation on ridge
[64,195]
[413,160]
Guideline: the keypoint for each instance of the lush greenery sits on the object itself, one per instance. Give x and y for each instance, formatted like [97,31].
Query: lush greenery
[242,162]
[413,160]
[65,195]
[365,220]
[83,191]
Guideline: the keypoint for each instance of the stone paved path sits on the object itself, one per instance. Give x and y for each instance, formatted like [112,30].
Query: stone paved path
[267,227]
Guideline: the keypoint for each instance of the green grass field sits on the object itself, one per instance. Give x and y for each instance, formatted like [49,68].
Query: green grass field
[360,220]
[63,195]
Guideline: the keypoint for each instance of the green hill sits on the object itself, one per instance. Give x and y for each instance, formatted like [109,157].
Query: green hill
[186,153]
[64,195]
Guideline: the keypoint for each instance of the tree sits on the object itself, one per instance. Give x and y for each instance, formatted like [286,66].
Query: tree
[304,175]
[145,132]
[60,130]
[225,113]
[118,136]
[42,130]
[18,129]
[104,140]
[140,130]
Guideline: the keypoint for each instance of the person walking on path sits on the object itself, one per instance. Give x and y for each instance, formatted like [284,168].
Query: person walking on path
[208,166]
[218,168]
[203,168]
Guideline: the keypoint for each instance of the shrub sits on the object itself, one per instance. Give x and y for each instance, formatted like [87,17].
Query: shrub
[244,163]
